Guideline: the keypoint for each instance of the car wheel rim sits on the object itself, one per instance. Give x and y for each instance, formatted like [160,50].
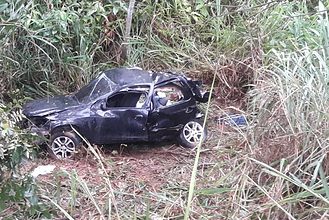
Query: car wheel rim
[63,147]
[193,132]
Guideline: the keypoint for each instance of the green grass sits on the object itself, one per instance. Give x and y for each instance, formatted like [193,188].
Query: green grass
[276,168]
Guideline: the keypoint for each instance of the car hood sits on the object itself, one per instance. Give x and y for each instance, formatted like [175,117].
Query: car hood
[50,105]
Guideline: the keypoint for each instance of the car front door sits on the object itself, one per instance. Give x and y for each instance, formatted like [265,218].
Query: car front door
[122,118]
[173,106]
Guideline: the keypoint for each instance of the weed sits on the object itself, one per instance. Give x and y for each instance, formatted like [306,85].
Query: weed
[271,61]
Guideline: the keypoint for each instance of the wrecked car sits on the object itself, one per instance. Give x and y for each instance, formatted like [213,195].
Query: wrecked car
[122,105]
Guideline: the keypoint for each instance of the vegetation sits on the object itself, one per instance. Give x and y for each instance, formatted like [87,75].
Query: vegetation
[269,60]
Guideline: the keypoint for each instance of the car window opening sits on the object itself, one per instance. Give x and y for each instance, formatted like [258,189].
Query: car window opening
[168,95]
[128,99]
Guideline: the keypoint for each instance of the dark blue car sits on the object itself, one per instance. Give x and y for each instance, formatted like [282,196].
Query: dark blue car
[122,105]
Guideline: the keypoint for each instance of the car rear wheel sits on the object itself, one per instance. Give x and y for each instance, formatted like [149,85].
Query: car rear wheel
[192,133]
[64,145]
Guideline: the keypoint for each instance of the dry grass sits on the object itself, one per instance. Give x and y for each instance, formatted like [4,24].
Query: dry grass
[146,181]
[276,168]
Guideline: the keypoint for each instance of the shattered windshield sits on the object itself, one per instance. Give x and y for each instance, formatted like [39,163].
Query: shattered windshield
[95,89]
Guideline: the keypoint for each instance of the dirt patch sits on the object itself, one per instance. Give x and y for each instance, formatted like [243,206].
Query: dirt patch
[147,165]
[138,176]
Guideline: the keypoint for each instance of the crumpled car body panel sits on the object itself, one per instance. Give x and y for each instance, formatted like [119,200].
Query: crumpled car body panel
[120,106]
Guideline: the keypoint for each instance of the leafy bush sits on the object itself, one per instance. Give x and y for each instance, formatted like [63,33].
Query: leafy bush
[16,189]
[14,142]
[21,193]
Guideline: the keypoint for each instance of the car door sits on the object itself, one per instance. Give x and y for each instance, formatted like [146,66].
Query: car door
[169,116]
[122,118]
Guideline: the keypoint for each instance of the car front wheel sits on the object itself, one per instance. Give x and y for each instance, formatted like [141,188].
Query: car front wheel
[64,144]
[192,133]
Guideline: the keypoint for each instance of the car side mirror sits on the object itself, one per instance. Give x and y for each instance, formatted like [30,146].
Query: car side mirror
[205,96]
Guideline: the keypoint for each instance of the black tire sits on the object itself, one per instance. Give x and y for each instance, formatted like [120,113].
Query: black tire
[191,133]
[64,144]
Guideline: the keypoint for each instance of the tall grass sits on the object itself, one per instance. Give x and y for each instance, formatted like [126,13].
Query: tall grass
[47,46]
[293,90]
[291,98]
[274,169]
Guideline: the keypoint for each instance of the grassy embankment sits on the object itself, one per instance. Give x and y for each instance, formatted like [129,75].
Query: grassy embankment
[268,59]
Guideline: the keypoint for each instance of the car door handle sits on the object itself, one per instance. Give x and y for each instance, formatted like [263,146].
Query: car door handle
[188,110]
[138,116]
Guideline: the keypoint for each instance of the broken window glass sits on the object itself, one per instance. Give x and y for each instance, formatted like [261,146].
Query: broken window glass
[100,89]
[95,89]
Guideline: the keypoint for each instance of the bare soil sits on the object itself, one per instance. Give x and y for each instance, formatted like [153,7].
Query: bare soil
[141,176]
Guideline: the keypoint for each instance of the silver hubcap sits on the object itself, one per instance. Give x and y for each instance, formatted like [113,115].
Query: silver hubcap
[193,132]
[63,147]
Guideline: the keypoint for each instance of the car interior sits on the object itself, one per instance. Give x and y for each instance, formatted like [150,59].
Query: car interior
[168,95]
[127,100]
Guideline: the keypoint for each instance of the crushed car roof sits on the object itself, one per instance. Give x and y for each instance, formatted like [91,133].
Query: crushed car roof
[126,76]
[114,79]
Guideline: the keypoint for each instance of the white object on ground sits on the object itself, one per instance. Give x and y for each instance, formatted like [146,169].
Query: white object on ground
[42,170]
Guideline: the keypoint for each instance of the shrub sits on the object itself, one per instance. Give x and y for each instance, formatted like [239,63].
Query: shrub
[15,189]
